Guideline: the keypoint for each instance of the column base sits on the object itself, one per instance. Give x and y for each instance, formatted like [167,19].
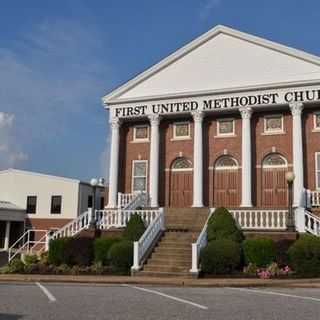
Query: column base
[246,205]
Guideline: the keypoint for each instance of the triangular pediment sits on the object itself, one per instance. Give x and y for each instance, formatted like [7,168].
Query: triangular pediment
[223,58]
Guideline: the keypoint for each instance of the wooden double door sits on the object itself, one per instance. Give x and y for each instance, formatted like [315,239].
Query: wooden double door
[181,186]
[226,190]
[274,187]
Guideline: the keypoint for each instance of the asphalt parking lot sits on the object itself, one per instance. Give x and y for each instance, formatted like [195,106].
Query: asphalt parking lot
[81,301]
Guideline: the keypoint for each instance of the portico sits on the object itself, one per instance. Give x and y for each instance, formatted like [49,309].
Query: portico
[214,140]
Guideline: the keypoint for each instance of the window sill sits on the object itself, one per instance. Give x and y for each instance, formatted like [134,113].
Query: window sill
[225,136]
[140,141]
[316,130]
[180,139]
[273,133]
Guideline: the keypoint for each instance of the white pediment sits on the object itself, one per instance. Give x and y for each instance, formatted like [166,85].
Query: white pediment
[220,59]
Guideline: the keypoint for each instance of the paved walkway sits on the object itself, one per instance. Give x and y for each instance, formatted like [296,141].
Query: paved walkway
[217,282]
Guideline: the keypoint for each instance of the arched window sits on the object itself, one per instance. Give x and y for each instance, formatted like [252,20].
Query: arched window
[226,163]
[274,160]
[181,163]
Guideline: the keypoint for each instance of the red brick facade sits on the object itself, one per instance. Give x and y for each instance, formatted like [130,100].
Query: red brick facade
[215,146]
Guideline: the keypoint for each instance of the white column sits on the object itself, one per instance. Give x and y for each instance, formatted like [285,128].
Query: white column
[197,159]
[297,150]
[154,160]
[114,162]
[7,236]
[246,172]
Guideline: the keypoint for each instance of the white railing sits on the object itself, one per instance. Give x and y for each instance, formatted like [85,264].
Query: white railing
[120,218]
[312,223]
[26,245]
[148,238]
[253,219]
[75,226]
[130,201]
[197,246]
[315,198]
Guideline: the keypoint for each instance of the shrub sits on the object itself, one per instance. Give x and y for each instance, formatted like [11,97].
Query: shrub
[282,248]
[101,249]
[30,259]
[260,252]
[16,266]
[31,268]
[221,225]
[304,256]
[220,257]
[250,269]
[62,269]
[121,256]
[57,248]
[79,251]
[134,229]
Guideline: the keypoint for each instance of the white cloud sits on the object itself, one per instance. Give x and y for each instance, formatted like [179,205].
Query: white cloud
[52,76]
[10,152]
[208,7]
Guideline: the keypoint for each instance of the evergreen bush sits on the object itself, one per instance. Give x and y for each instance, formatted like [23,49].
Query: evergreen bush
[57,248]
[121,256]
[221,225]
[134,229]
[102,247]
[79,251]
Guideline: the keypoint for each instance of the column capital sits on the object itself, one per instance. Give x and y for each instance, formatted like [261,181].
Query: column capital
[197,115]
[246,113]
[154,119]
[115,123]
[296,108]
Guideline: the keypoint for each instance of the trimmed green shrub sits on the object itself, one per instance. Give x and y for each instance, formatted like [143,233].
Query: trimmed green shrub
[16,266]
[57,248]
[282,247]
[221,225]
[30,259]
[134,229]
[101,249]
[260,252]
[304,256]
[79,251]
[220,257]
[121,256]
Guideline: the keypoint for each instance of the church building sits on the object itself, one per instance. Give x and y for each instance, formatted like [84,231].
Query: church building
[217,123]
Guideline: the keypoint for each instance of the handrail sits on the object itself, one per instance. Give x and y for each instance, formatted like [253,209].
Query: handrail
[141,247]
[198,245]
[312,223]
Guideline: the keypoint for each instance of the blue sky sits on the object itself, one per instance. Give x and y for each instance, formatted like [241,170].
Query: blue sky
[58,58]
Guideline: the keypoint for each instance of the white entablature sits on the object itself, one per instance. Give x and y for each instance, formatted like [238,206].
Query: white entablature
[221,61]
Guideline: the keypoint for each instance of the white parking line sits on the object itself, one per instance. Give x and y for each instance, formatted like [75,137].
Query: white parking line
[46,292]
[275,293]
[168,296]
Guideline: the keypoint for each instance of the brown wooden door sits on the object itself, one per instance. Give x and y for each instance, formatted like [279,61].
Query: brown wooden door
[226,188]
[181,189]
[274,187]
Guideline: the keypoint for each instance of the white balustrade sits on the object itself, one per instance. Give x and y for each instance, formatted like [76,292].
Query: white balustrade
[197,246]
[141,247]
[315,198]
[132,201]
[312,223]
[263,219]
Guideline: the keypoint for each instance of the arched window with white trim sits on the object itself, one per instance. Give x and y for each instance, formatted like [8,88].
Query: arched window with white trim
[274,160]
[226,163]
[181,164]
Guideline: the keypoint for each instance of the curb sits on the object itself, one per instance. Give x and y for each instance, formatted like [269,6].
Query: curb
[180,282]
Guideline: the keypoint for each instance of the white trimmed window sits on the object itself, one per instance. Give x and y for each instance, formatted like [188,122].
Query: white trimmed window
[139,175]
[316,121]
[273,124]
[225,127]
[141,133]
[317,167]
[181,130]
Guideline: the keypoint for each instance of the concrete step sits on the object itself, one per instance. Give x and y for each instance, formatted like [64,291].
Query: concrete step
[170,262]
[176,244]
[165,268]
[144,273]
[165,241]
[179,255]
[172,250]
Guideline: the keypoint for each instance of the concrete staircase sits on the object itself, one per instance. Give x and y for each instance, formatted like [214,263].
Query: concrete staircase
[172,254]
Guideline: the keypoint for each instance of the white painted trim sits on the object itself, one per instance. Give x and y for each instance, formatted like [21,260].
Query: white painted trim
[182,169]
[223,135]
[174,126]
[274,166]
[113,96]
[236,167]
[317,183]
[276,131]
[132,175]
[315,128]
[137,140]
